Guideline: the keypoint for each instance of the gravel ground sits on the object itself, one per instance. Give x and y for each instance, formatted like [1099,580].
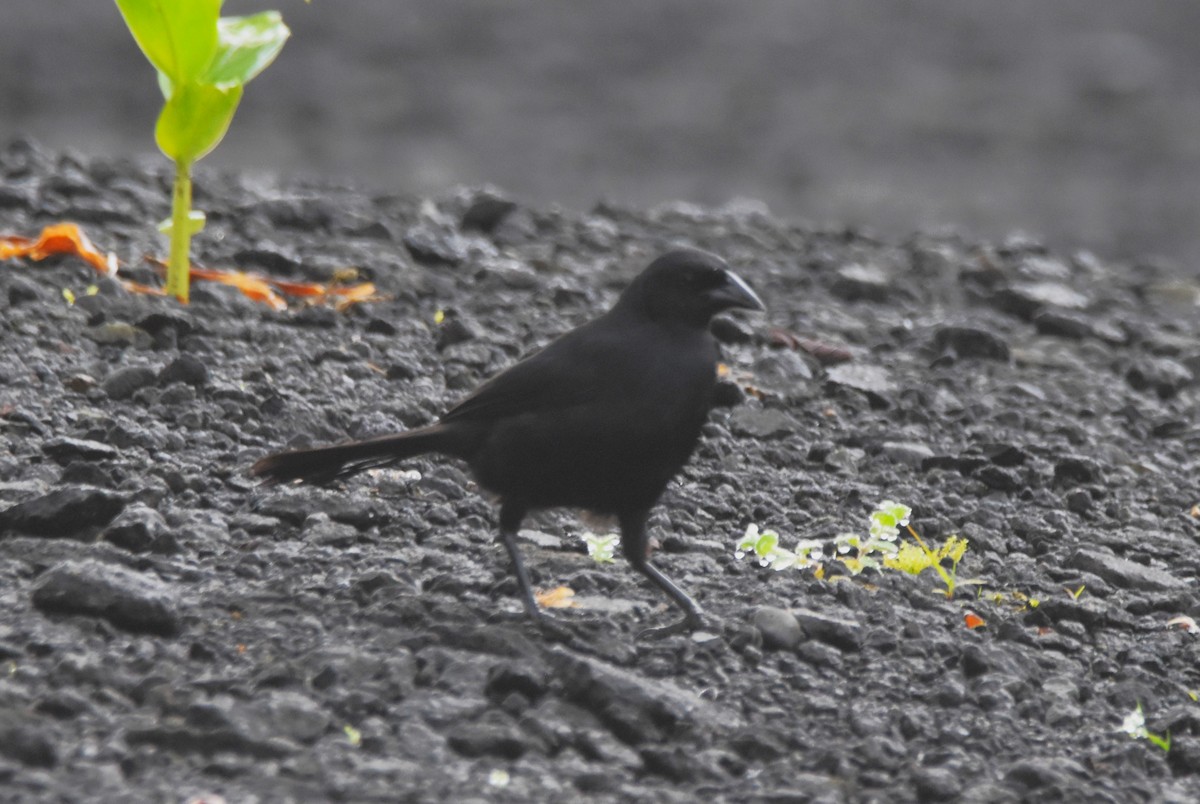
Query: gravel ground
[172,630]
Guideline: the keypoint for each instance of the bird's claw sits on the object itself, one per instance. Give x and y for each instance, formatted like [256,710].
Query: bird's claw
[694,621]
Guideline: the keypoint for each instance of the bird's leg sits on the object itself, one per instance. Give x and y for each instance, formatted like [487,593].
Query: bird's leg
[634,543]
[511,515]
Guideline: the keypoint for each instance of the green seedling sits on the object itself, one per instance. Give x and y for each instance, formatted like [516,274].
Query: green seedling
[1075,593]
[765,545]
[915,557]
[601,548]
[881,548]
[203,62]
[1135,727]
[353,735]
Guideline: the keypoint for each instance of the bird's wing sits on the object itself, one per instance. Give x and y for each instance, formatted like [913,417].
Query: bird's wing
[567,372]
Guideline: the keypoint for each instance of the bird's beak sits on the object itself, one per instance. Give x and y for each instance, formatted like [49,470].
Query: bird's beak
[735,293]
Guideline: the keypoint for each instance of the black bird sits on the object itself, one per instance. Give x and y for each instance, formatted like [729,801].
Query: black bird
[600,419]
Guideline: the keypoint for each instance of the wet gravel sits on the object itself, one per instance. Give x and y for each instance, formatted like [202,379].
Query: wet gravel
[168,629]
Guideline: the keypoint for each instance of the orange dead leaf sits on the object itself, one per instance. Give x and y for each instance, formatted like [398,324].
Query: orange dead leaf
[59,238]
[251,286]
[559,598]
[68,238]
[974,621]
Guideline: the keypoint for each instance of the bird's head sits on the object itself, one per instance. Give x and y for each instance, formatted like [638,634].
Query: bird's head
[688,286]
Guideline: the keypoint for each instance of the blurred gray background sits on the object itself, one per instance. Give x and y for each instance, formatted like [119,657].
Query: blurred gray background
[1077,121]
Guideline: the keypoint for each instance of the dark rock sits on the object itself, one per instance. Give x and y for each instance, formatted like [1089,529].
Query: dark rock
[123,382]
[26,740]
[1076,470]
[130,600]
[489,738]
[452,331]
[22,290]
[158,322]
[970,342]
[1000,478]
[1061,325]
[937,784]
[1124,573]
[64,450]
[64,512]
[430,247]
[273,260]
[637,709]
[1161,375]
[846,635]
[187,369]
[486,212]
[508,677]
[140,529]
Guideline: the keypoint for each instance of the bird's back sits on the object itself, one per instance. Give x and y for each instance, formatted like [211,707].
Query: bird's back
[600,419]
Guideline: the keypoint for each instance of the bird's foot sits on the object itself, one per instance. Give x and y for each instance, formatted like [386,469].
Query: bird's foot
[694,621]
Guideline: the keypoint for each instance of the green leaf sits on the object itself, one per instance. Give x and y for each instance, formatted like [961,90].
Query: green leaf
[245,46]
[179,37]
[194,119]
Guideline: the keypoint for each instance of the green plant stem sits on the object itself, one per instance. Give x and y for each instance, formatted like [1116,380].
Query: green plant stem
[178,264]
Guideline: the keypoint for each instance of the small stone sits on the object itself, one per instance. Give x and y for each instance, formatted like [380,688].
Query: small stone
[1079,501]
[1124,573]
[123,382]
[862,283]
[21,290]
[1075,471]
[187,369]
[486,212]
[907,453]
[26,741]
[141,529]
[64,512]
[119,333]
[128,599]
[868,379]
[320,529]
[999,478]
[80,383]
[1061,325]
[294,716]
[846,635]
[430,247]
[970,342]
[779,627]
[489,739]
[936,784]
[1026,299]
[1161,375]
[761,423]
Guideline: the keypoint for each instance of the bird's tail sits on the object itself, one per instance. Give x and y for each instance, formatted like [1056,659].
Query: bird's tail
[326,464]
